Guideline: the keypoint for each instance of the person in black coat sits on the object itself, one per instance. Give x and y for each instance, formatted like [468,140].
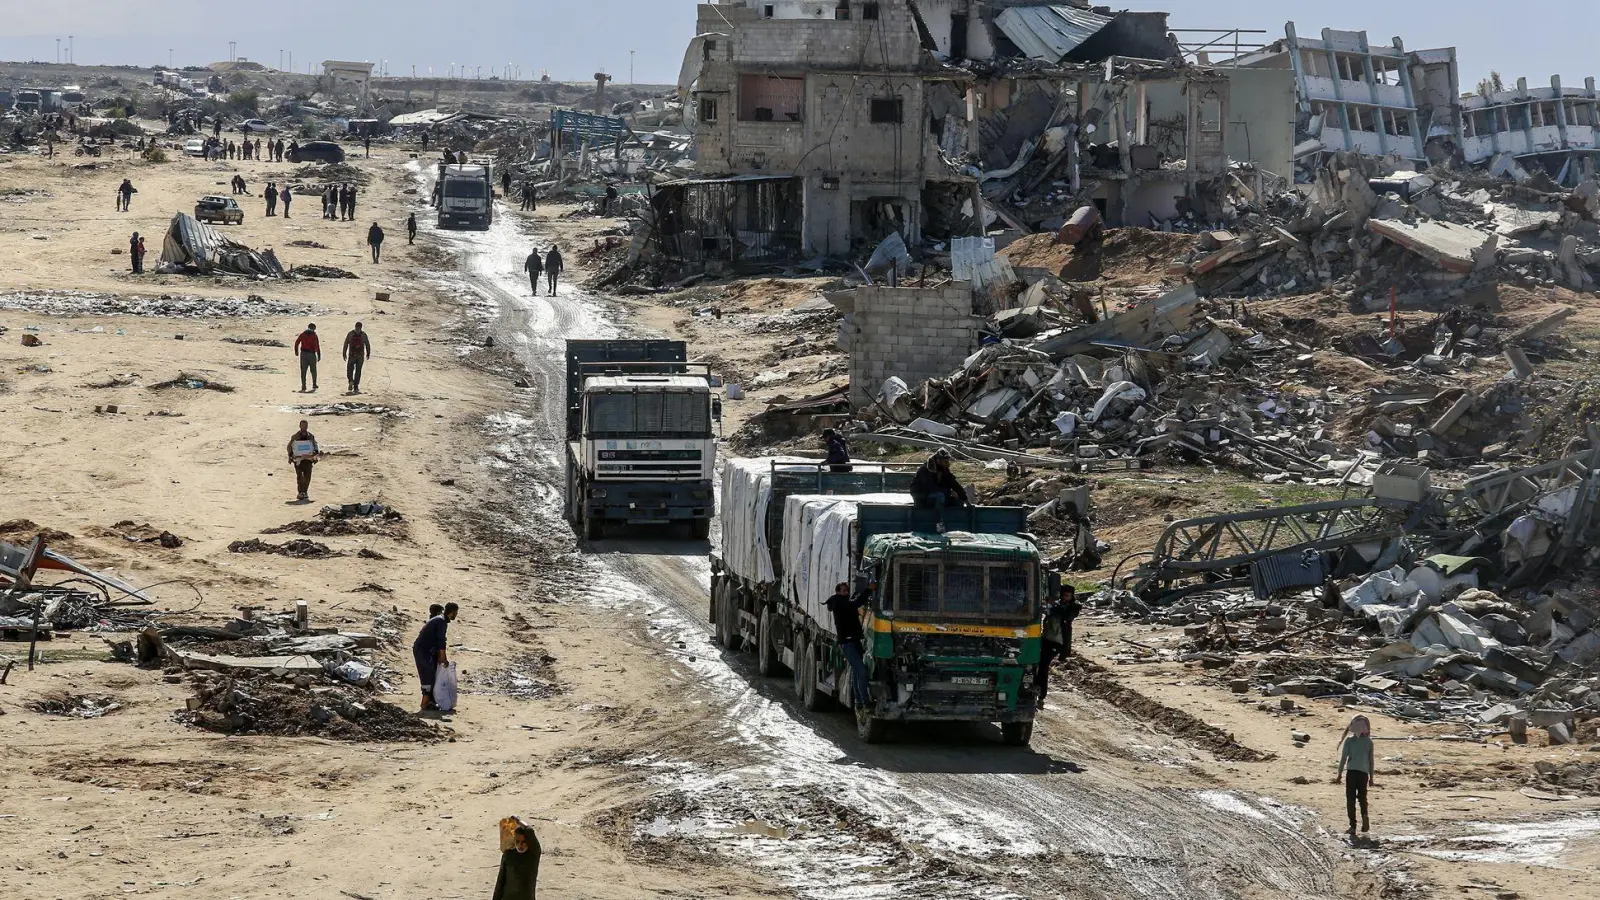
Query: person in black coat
[935,486]
[519,867]
[838,458]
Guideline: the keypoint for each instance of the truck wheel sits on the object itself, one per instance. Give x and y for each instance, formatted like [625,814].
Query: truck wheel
[801,648]
[593,529]
[812,697]
[719,619]
[768,662]
[700,529]
[870,728]
[1016,734]
[730,612]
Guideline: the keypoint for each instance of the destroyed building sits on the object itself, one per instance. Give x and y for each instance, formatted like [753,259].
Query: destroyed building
[823,127]
[1385,100]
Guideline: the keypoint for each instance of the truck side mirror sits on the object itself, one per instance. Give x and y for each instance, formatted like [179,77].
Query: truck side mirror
[1052,584]
[716,408]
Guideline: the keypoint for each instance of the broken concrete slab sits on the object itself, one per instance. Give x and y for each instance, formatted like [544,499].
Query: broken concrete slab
[1454,248]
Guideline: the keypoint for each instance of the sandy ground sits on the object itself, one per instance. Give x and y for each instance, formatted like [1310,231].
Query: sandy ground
[136,803]
[652,764]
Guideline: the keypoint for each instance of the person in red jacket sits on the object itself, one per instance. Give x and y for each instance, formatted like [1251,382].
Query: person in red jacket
[310,351]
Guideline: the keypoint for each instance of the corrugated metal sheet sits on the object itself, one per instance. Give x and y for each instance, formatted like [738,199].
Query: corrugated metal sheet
[1049,32]
[1296,569]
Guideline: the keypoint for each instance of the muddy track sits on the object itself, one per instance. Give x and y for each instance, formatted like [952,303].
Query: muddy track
[946,813]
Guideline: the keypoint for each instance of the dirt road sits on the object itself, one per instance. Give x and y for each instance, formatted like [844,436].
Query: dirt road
[1099,807]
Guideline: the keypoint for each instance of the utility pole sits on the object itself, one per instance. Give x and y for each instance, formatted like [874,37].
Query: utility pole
[169,57]
[58,51]
[630,67]
[232,52]
[71,58]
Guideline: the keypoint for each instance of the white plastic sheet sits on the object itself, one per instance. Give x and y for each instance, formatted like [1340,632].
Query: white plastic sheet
[818,533]
[746,491]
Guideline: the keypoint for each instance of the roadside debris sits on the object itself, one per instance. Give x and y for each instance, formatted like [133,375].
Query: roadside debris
[195,248]
[299,549]
[347,519]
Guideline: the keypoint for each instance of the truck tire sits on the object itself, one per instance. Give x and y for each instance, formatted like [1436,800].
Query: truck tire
[700,529]
[730,613]
[799,671]
[1016,734]
[768,662]
[593,529]
[719,614]
[871,729]
[811,696]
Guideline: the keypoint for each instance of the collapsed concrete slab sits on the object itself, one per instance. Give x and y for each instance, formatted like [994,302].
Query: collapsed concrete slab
[1454,248]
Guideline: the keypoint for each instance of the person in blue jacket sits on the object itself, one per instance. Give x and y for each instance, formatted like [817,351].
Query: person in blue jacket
[429,649]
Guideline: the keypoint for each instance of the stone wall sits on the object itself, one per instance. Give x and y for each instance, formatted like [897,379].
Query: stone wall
[915,333]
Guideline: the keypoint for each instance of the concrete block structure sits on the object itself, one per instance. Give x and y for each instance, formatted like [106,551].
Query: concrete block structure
[1528,122]
[913,333]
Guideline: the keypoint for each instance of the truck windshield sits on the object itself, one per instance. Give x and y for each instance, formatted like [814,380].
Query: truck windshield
[649,414]
[464,189]
[965,588]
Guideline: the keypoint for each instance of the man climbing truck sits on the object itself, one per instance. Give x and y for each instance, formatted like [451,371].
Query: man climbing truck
[640,448]
[951,620]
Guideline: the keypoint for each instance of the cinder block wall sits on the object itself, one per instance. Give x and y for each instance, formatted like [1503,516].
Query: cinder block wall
[915,333]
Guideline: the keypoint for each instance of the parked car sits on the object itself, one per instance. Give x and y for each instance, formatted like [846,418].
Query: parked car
[194,147]
[219,209]
[255,126]
[318,151]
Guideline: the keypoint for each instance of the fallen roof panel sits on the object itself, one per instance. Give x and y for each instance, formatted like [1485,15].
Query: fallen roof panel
[1454,248]
[1050,32]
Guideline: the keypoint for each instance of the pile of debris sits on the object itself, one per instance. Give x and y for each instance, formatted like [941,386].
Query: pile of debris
[273,673]
[31,609]
[368,517]
[194,248]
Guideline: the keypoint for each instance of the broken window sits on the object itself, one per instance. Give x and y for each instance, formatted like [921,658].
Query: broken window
[1547,115]
[869,11]
[1362,118]
[770,98]
[708,109]
[767,11]
[710,48]
[1398,122]
[842,11]
[1210,113]
[887,111]
[1582,114]
[1520,115]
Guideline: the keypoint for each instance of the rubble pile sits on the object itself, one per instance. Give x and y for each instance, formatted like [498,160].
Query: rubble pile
[1417,644]
[260,703]
[347,519]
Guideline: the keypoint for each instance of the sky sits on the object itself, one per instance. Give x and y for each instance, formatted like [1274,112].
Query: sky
[572,40]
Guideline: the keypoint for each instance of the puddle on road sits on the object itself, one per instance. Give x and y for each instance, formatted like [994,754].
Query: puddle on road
[1539,843]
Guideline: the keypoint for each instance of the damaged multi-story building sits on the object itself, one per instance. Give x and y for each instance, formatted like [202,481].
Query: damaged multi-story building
[822,126]
[1384,100]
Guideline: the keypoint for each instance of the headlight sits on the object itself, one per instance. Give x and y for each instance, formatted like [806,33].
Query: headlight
[597,493]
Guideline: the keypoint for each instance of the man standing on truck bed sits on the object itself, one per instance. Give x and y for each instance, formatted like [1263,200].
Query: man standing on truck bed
[534,266]
[838,458]
[852,641]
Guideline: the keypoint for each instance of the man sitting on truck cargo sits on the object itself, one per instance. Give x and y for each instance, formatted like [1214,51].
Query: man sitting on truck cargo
[936,486]
[847,625]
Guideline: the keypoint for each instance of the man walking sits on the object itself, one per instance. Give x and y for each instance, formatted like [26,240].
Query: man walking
[272,198]
[610,201]
[350,201]
[1056,637]
[534,266]
[375,241]
[125,193]
[505,184]
[530,201]
[368,145]
[552,267]
[285,196]
[309,349]
[303,455]
[357,350]
[411,228]
[847,626]
[430,651]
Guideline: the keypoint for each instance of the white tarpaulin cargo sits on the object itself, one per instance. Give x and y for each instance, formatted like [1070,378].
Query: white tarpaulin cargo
[746,490]
[818,533]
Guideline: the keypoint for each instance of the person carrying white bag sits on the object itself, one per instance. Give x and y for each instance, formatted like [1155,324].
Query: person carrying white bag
[429,653]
